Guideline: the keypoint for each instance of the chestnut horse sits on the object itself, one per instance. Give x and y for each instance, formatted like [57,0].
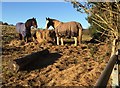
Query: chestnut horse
[68,29]
[24,29]
[44,36]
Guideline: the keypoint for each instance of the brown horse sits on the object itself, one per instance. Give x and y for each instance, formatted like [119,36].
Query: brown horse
[24,29]
[68,29]
[44,36]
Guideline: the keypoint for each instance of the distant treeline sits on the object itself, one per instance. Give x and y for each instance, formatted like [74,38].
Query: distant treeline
[5,23]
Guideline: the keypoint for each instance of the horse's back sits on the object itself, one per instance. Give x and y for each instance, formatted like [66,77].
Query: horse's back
[71,24]
[20,28]
[19,24]
[74,26]
[68,29]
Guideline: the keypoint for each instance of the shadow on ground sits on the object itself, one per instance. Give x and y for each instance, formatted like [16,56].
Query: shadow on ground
[35,61]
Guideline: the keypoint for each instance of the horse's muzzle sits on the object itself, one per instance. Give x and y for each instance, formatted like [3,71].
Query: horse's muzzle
[35,26]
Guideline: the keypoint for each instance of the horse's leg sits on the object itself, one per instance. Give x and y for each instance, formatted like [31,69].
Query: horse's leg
[80,36]
[20,35]
[34,36]
[62,41]
[75,38]
[39,37]
[28,35]
[57,40]
[25,39]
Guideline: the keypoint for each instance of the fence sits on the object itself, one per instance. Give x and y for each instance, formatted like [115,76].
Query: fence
[112,69]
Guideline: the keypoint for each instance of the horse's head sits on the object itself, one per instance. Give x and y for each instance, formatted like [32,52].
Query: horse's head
[34,22]
[49,22]
[28,24]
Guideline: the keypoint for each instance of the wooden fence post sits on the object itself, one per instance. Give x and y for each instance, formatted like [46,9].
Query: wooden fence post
[112,67]
[115,72]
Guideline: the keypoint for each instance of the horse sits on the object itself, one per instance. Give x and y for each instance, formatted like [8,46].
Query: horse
[44,36]
[24,29]
[65,29]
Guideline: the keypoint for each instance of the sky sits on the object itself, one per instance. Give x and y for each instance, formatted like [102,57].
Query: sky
[13,12]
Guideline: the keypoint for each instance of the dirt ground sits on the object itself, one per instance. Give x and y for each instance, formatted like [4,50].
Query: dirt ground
[50,65]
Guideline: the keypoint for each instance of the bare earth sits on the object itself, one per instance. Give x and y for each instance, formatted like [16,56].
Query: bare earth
[66,65]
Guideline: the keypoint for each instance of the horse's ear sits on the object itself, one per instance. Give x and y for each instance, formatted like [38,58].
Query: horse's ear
[33,18]
[46,18]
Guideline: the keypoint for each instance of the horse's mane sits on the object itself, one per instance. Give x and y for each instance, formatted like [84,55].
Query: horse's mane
[28,22]
[55,20]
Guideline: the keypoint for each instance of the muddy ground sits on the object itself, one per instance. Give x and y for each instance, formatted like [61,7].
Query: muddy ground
[66,65]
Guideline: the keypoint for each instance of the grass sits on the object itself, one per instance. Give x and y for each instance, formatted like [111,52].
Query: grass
[86,37]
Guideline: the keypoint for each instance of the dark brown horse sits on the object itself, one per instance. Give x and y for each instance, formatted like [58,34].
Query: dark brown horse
[24,29]
[68,29]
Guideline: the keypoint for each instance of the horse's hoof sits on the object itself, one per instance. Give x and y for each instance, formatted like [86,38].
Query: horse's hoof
[74,45]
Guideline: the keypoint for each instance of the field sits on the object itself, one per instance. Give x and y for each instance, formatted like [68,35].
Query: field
[66,65]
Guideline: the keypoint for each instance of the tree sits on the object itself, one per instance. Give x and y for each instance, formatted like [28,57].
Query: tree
[1,22]
[103,16]
[5,23]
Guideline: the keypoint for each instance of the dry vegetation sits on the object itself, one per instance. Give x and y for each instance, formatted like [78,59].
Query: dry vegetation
[60,66]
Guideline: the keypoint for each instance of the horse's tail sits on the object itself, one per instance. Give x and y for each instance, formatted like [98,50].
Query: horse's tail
[17,27]
[80,33]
